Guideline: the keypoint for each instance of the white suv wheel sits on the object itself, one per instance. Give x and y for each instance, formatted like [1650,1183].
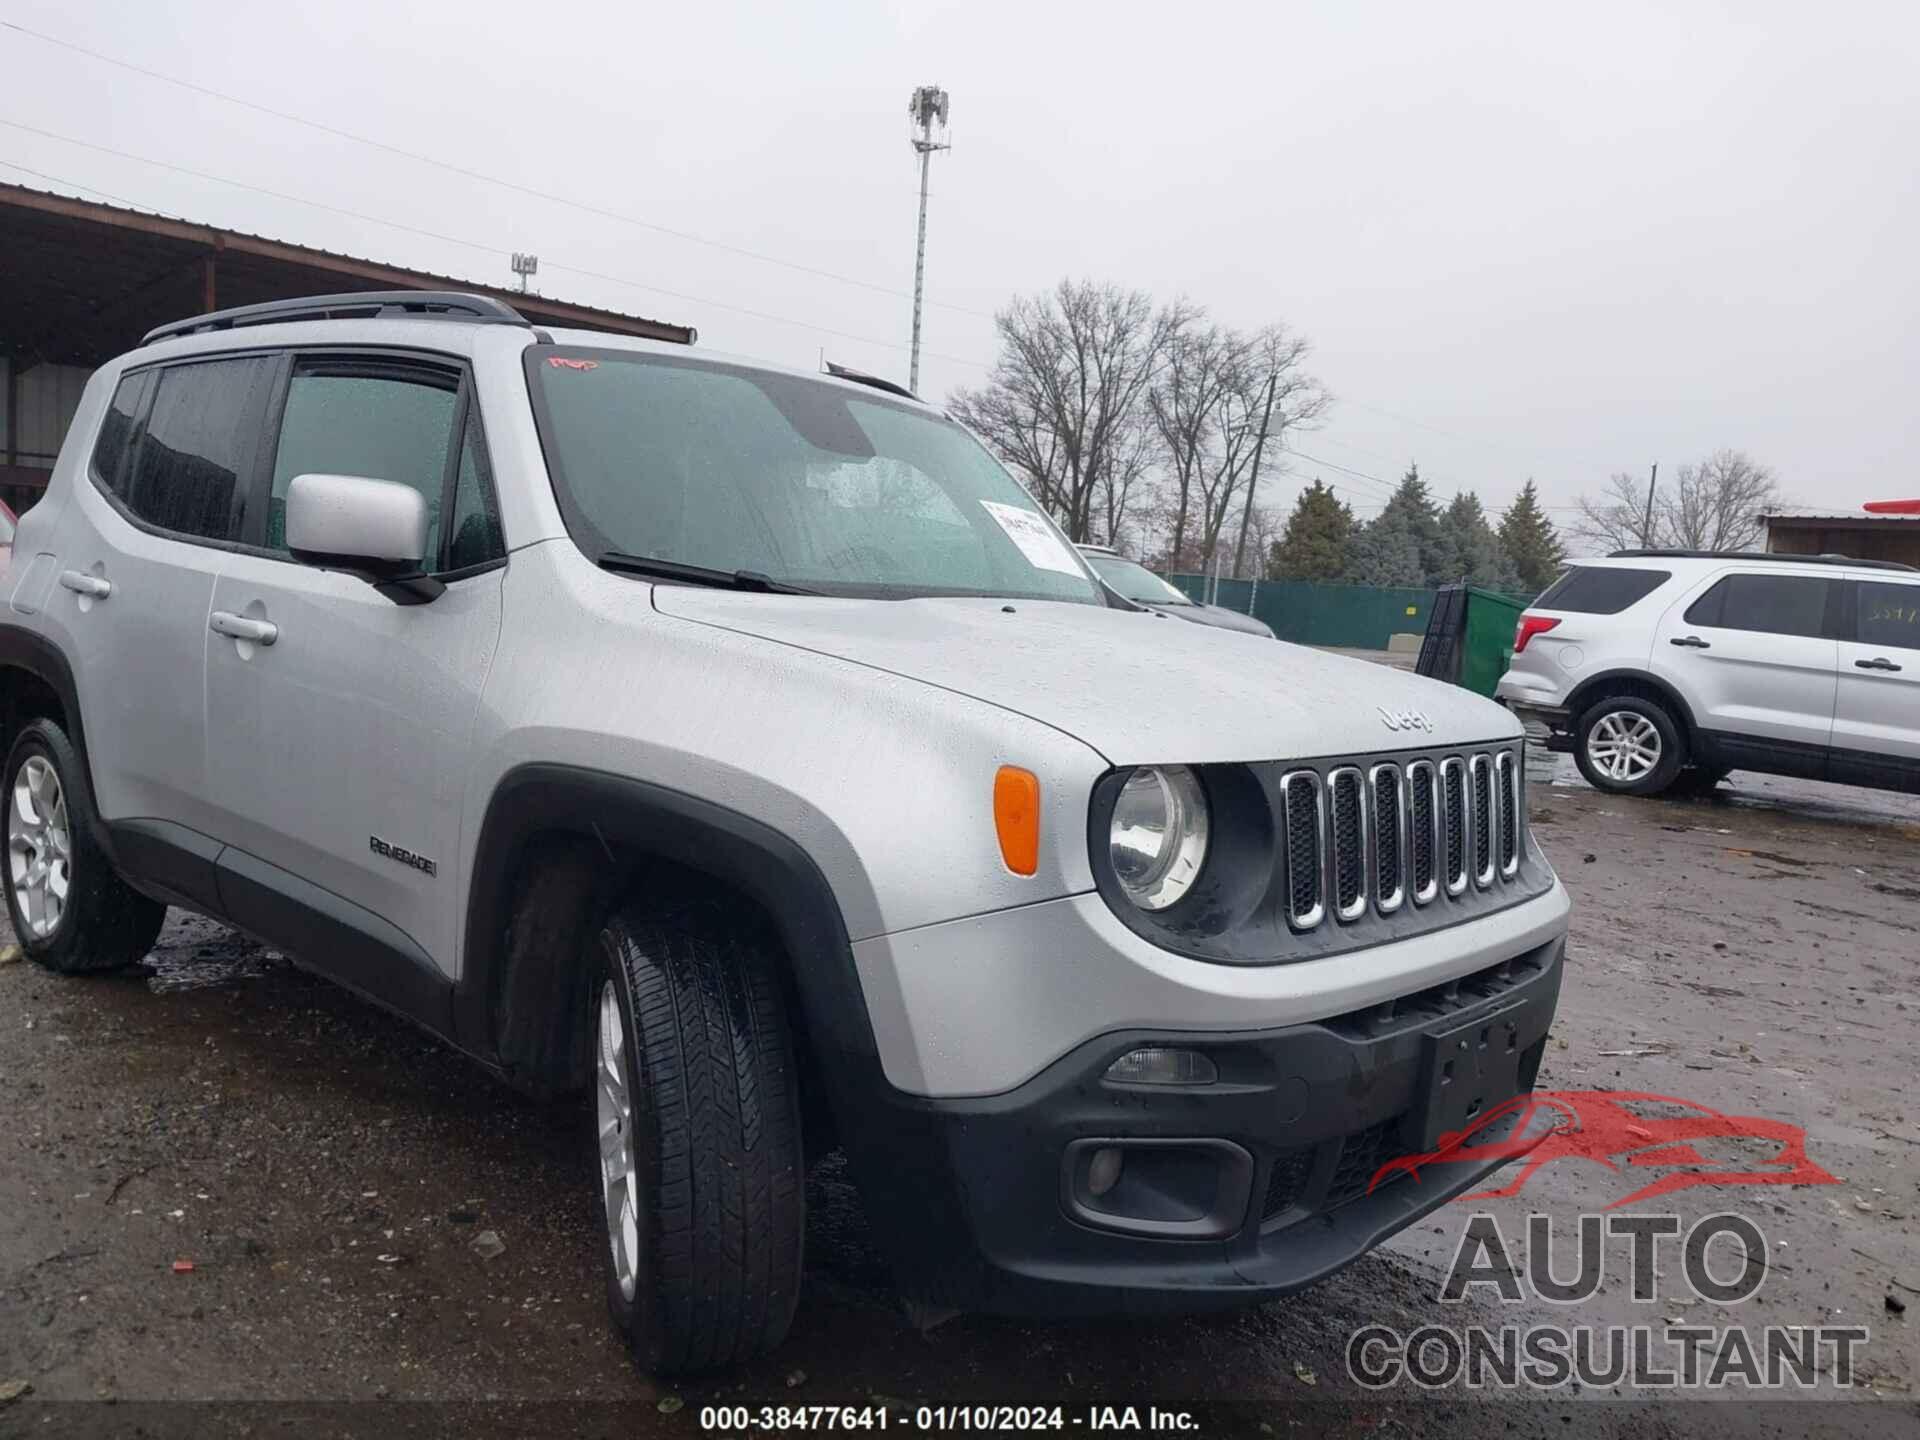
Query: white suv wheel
[1624,746]
[39,847]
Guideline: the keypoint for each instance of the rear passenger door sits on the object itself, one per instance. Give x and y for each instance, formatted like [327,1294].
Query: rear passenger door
[336,754]
[170,477]
[1876,730]
[1754,654]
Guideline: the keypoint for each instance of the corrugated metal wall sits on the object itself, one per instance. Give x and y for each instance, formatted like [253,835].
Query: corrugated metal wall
[45,398]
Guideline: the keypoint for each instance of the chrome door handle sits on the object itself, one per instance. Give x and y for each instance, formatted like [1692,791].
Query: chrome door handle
[1879,663]
[81,583]
[242,627]
[1691,642]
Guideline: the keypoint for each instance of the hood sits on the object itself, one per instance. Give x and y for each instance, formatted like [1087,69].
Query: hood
[1136,686]
[1217,616]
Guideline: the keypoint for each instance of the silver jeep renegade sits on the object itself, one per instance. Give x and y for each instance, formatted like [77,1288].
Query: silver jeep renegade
[746,748]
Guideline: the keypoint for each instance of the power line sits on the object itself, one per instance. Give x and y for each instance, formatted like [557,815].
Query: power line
[1386,486]
[471,174]
[442,237]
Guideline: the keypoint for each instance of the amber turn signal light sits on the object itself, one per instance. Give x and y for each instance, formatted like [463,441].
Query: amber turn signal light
[1016,816]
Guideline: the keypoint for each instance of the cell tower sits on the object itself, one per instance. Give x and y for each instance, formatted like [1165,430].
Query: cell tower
[928,111]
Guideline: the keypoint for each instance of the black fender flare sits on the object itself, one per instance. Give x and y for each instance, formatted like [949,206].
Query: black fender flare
[649,821]
[22,649]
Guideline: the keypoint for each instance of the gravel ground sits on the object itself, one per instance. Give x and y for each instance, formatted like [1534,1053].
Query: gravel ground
[373,1224]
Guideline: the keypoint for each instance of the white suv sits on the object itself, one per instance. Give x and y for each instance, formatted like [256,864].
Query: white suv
[1659,668]
[747,748]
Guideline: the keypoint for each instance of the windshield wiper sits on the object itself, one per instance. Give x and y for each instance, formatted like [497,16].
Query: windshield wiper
[699,574]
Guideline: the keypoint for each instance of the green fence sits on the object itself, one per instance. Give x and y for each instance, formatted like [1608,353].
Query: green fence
[1357,617]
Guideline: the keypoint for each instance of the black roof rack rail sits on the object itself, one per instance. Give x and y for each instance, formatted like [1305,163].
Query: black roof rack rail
[1743,556]
[364,305]
[860,377]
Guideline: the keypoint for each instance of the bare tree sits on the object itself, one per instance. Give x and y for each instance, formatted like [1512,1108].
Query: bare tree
[1204,365]
[1616,518]
[1066,399]
[1715,504]
[1292,400]
[1260,532]
[1123,482]
[1222,401]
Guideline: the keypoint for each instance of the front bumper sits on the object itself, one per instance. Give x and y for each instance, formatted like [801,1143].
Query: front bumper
[982,1202]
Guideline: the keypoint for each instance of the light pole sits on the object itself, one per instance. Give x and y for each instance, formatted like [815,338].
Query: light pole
[526,267]
[928,110]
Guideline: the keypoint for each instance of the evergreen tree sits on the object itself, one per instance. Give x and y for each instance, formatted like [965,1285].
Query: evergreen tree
[1531,542]
[1412,509]
[1319,536]
[1387,551]
[1470,548]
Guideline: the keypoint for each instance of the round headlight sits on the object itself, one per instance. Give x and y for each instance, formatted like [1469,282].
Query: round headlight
[1159,835]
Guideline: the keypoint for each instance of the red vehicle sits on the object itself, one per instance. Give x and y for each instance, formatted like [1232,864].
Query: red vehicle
[1626,1128]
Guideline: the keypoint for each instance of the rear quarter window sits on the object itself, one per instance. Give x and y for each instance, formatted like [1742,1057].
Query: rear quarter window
[1600,589]
[117,430]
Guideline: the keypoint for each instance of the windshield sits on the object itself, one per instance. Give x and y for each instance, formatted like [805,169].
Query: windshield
[803,482]
[1135,581]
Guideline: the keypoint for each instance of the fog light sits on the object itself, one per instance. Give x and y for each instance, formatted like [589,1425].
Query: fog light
[1103,1171]
[1158,1066]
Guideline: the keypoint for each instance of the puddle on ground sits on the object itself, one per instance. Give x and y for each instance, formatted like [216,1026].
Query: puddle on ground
[205,957]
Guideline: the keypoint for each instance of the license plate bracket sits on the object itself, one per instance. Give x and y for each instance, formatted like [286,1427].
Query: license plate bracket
[1471,1069]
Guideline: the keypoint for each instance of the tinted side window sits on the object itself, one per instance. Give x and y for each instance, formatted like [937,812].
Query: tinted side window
[1769,604]
[1600,590]
[474,531]
[191,459]
[1889,615]
[117,431]
[380,422]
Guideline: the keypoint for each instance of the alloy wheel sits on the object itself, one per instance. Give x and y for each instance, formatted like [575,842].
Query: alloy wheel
[39,847]
[619,1178]
[1624,746]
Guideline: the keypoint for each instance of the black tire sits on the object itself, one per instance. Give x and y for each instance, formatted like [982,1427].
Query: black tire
[1697,781]
[104,924]
[715,1138]
[1672,756]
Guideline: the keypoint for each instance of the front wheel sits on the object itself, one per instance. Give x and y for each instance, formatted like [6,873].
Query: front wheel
[698,1139]
[1627,745]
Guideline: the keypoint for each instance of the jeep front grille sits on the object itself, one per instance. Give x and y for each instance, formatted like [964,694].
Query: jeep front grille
[1480,773]
[1349,845]
[1363,839]
[1389,838]
[1306,844]
[1453,823]
[1509,793]
[1423,835]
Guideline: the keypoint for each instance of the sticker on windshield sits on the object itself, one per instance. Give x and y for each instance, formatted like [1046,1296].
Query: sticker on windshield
[564,362]
[1038,541]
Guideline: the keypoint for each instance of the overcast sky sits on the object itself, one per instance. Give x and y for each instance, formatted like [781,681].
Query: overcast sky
[1524,239]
